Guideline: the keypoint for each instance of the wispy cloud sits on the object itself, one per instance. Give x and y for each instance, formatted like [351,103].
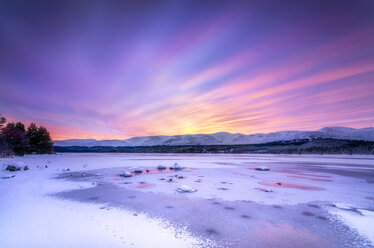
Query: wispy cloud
[187,67]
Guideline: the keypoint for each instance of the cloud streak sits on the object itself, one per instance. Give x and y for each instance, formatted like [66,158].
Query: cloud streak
[118,70]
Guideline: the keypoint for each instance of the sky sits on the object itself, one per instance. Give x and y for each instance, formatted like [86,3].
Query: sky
[119,69]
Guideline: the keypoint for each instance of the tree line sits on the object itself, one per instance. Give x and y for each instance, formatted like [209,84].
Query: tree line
[16,139]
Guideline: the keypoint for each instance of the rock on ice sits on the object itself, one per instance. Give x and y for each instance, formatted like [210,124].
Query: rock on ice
[126,174]
[13,168]
[185,189]
[176,166]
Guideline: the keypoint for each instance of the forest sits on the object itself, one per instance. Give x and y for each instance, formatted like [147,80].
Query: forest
[16,139]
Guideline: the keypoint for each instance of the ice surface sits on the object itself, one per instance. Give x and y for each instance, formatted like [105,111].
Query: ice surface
[31,217]
[234,203]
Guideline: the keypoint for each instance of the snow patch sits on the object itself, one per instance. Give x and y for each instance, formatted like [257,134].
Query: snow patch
[359,219]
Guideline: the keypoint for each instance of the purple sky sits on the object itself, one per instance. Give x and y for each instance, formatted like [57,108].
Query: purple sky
[117,69]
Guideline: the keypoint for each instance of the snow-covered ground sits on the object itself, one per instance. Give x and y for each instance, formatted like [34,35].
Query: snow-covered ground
[79,200]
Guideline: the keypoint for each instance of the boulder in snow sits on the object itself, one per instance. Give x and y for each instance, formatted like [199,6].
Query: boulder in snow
[176,166]
[137,170]
[262,168]
[126,174]
[13,168]
[186,189]
[26,168]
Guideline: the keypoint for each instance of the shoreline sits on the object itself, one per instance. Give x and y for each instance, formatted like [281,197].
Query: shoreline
[304,146]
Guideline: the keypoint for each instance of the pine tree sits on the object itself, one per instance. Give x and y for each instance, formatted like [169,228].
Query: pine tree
[4,148]
[33,135]
[2,122]
[44,144]
[15,136]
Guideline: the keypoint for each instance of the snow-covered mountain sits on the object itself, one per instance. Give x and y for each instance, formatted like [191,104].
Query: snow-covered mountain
[224,138]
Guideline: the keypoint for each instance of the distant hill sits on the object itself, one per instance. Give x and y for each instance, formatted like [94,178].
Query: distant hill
[223,138]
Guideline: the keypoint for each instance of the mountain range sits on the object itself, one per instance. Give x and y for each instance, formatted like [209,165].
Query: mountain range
[224,138]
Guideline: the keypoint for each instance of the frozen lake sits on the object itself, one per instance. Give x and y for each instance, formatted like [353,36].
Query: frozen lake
[79,200]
